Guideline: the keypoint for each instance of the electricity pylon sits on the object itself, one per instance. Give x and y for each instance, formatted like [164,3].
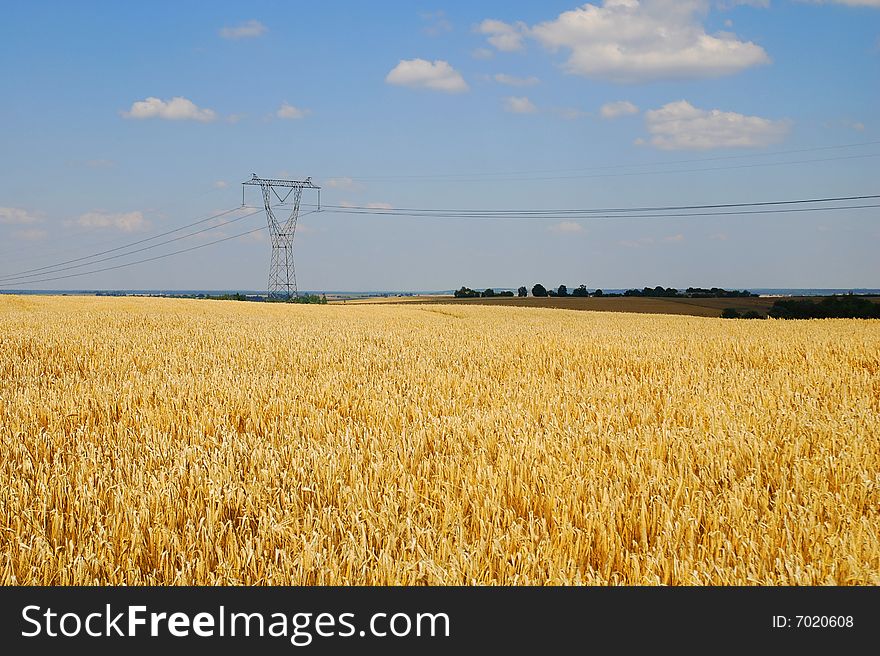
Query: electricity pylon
[282,273]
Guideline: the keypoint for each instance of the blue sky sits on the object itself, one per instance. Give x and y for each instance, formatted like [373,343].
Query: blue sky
[119,121]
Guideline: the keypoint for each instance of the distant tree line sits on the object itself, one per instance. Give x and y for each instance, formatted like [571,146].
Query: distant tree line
[467,292]
[581,291]
[302,298]
[225,297]
[828,307]
[733,313]
[716,292]
[235,296]
[690,292]
[848,306]
[540,291]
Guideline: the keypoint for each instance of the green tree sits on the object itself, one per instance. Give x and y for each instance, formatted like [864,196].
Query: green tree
[829,307]
[539,290]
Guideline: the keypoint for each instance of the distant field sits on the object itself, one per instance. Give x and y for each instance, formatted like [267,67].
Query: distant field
[172,441]
[367,300]
[696,307]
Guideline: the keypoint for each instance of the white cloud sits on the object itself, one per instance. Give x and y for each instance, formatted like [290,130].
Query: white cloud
[247,30]
[630,41]
[504,36]
[519,105]
[16,216]
[847,123]
[514,81]
[482,53]
[124,222]
[287,111]
[681,126]
[719,236]
[674,238]
[618,108]
[437,23]
[344,183]
[32,234]
[420,73]
[567,227]
[220,184]
[176,109]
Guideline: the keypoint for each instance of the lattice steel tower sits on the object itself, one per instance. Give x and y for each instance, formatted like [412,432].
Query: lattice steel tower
[282,273]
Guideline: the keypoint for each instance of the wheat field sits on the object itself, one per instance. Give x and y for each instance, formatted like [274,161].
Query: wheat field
[165,442]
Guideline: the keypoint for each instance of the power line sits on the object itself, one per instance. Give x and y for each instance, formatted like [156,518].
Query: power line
[148,259]
[56,269]
[118,248]
[128,264]
[83,230]
[463,213]
[656,208]
[671,211]
[557,217]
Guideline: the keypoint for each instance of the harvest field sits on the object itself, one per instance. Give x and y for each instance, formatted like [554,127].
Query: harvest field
[698,307]
[162,441]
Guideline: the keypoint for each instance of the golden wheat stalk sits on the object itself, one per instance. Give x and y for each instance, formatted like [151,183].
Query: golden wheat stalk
[159,441]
